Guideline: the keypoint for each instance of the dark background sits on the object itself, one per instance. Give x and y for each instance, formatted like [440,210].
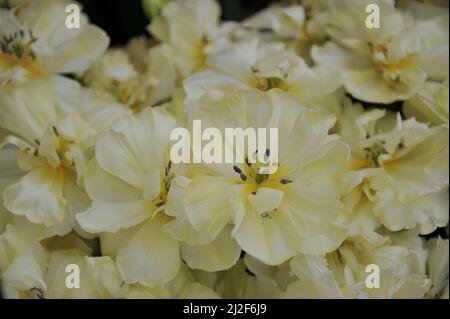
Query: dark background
[124,19]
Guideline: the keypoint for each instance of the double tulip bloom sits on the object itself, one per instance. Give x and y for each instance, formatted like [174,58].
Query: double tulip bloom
[87,179]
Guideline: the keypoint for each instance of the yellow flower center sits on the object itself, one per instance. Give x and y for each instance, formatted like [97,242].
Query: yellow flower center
[373,152]
[129,93]
[372,155]
[380,58]
[398,65]
[265,84]
[250,176]
[61,146]
[16,51]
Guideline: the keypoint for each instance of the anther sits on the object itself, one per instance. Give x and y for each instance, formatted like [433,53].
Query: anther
[39,292]
[265,214]
[266,154]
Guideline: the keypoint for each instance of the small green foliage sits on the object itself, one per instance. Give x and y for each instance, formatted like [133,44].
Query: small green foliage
[153,8]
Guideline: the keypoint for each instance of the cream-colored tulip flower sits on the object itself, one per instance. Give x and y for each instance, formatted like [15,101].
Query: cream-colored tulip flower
[342,274]
[54,143]
[200,250]
[9,173]
[23,261]
[72,241]
[137,204]
[226,35]
[399,170]
[183,286]
[385,64]
[238,283]
[288,22]
[134,85]
[430,104]
[292,24]
[279,215]
[98,276]
[229,71]
[186,26]
[128,183]
[255,64]
[35,41]
[28,271]
[250,278]
[280,274]
[437,267]
[424,9]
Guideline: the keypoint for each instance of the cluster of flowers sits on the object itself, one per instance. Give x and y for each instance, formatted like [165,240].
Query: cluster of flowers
[86,177]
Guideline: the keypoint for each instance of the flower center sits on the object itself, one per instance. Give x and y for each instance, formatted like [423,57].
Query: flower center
[389,68]
[16,51]
[62,148]
[373,152]
[250,174]
[266,84]
[129,93]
